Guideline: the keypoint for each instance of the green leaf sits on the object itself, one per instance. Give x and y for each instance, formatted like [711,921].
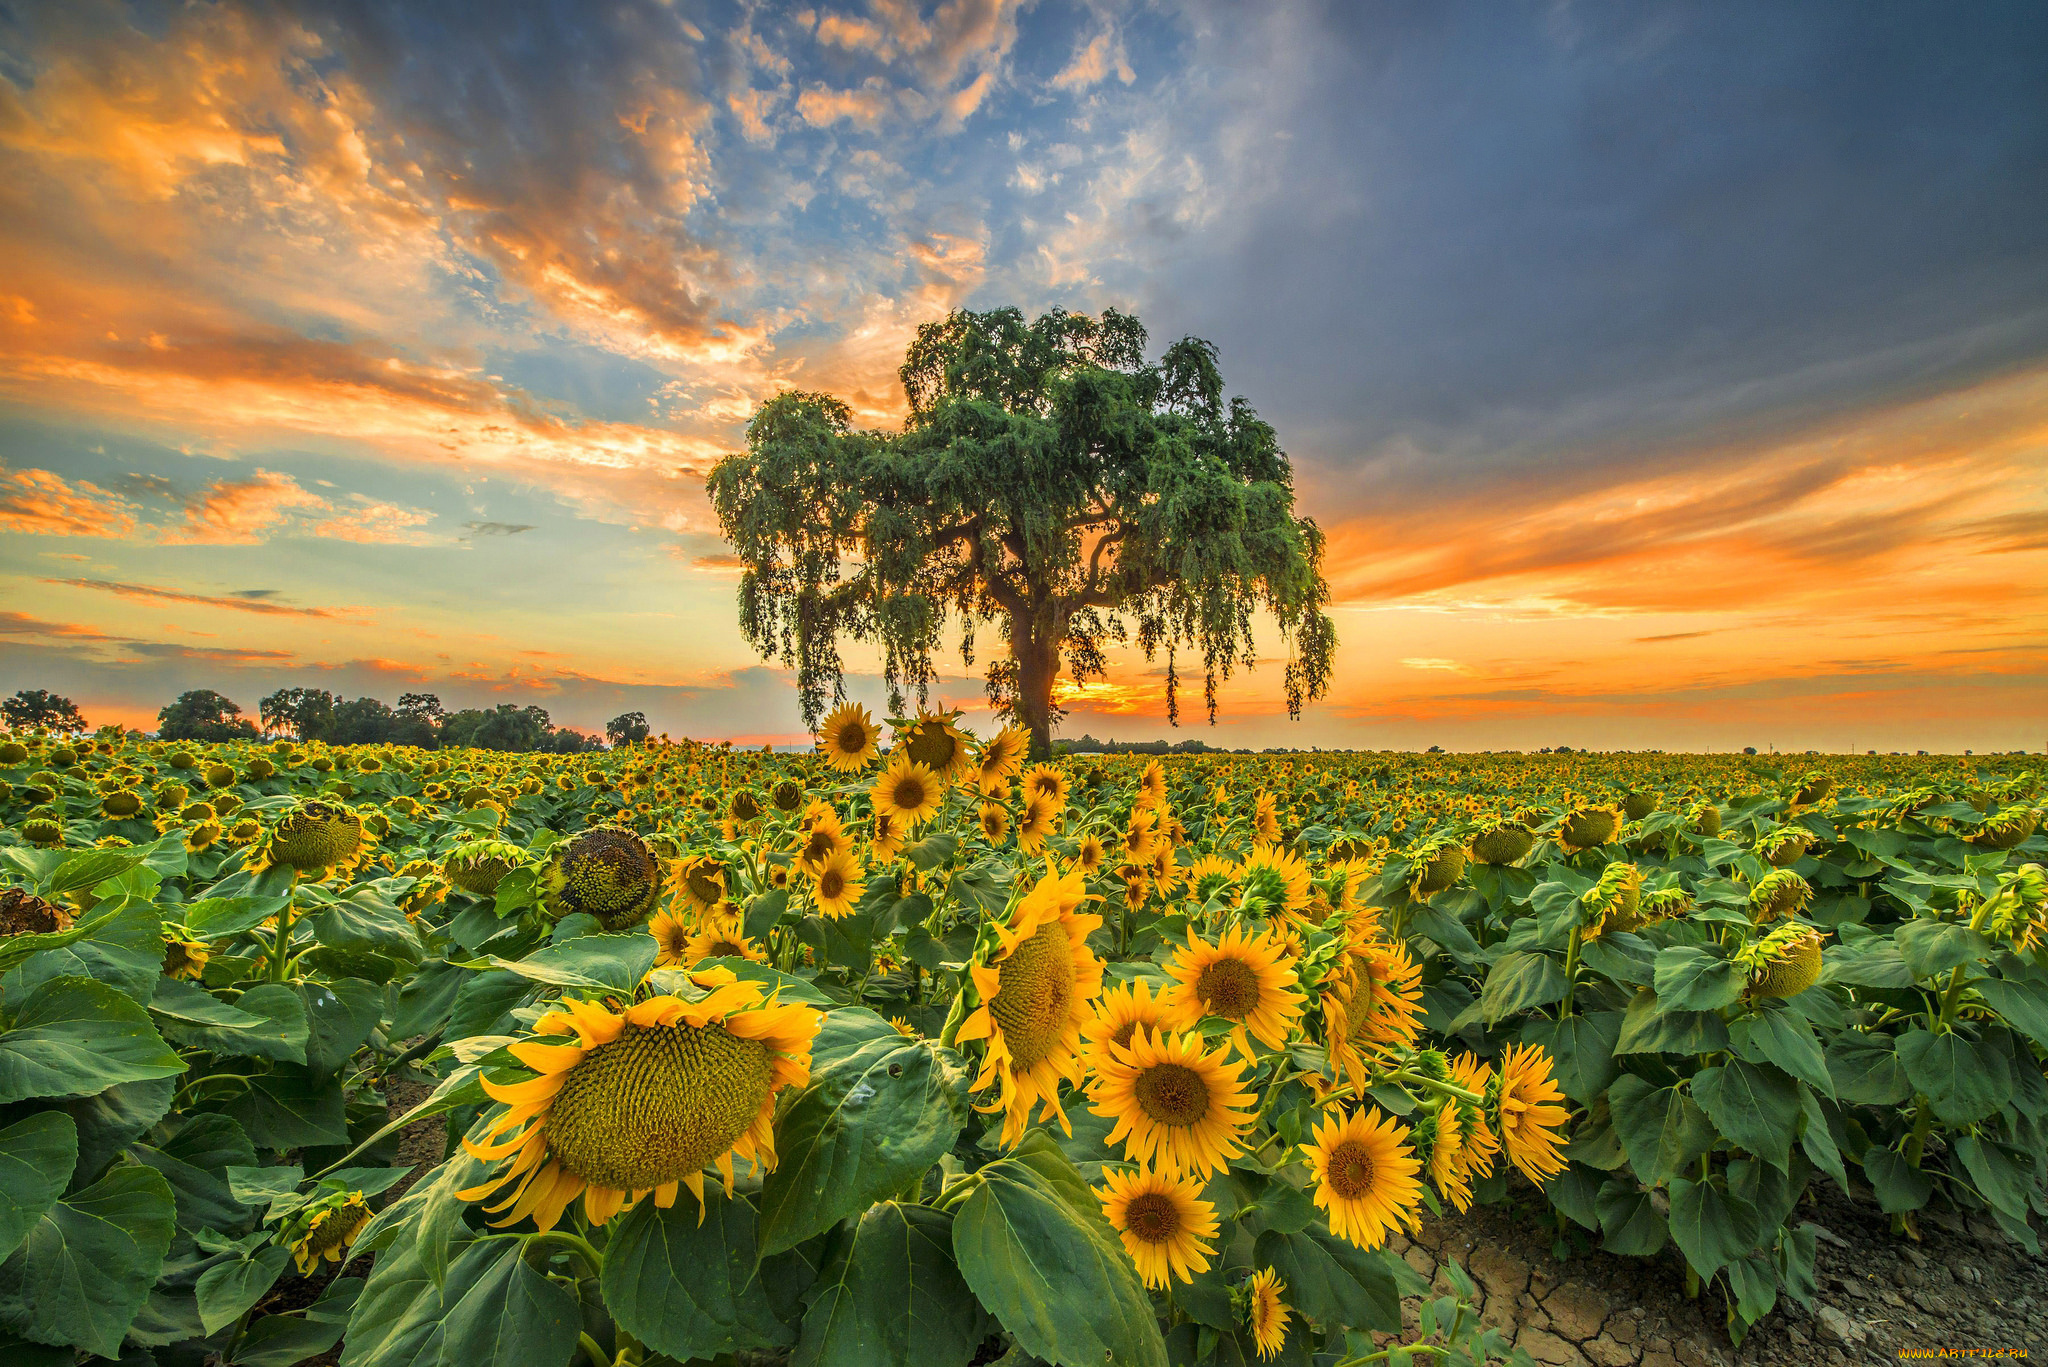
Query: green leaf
[1872,964]
[1333,1282]
[1026,1251]
[1629,1220]
[339,1016]
[227,1289]
[1931,947]
[685,1288]
[1581,1049]
[890,1293]
[869,1125]
[1710,1227]
[608,963]
[74,1037]
[283,1341]
[125,951]
[1661,1128]
[1898,1186]
[1779,1036]
[2003,1175]
[268,1021]
[108,1121]
[510,1316]
[1647,1028]
[1621,957]
[397,1318]
[36,1159]
[2023,1005]
[90,868]
[290,1109]
[1866,1069]
[1818,1139]
[195,1161]
[16,949]
[1754,1107]
[367,923]
[1694,978]
[216,918]
[1963,1080]
[1518,982]
[87,1265]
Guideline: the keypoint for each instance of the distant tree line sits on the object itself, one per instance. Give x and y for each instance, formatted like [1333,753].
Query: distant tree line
[200,714]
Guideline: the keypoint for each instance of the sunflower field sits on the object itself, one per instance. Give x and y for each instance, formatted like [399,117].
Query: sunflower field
[905,1051]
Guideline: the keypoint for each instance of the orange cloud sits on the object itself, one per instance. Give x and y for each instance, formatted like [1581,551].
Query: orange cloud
[39,503]
[260,606]
[243,512]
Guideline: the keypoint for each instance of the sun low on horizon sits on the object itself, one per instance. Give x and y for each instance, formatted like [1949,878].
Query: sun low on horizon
[1669,376]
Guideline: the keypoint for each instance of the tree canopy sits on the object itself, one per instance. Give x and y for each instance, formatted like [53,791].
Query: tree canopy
[1049,480]
[203,715]
[32,708]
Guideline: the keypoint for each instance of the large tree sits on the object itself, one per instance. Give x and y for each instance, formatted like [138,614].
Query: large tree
[31,708]
[1049,480]
[203,715]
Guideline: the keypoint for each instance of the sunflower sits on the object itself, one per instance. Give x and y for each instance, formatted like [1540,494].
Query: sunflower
[185,958]
[313,836]
[995,823]
[1365,1176]
[1090,854]
[908,790]
[1266,817]
[607,872]
[1175,1104]
[1380,1008]
[1044,781]
[999,758]
[1134,846]
[701,880]
[1152,785]
[1779,893]
[1209,875]
[935,742]
[1526,1113]
[1242,978]
[1163,1221]
[330,1233]
[479,866]
[1120,1012]
[1265,1313]
[837,885]
[644,1100]
[824,837]
[672,935]
[1478,1142]
[1275,881]
[1040,820]
[1448,1165]
[1784,963]
[721,940]
[885,837]
[1035,986]
[848,738]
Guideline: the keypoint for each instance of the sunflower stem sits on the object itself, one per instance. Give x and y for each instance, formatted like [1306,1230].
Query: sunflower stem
[1571,971]
[592,1351]
[280,961]
[576,1246]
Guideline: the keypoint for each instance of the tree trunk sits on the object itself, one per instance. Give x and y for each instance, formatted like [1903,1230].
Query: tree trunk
[1038,667]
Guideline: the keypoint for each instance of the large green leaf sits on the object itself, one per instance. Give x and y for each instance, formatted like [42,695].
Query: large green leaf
[1709,1226]
[268,1021]
[1518,982]
[290,1109]
[1581,1049]
[1897,1184]
[609,963]
[1866,1069]
[1755,1107]
[2024,1005]
[1697,978]
[1963,1080]
[125,950]
[510,1316]
[1782,1037]
[366,923]
[858,1133]
[90,868]
[1871,964]
[216,918]
[227,1289]
[1333,1282]
[88,1263]
[1647,1028]
[1931,947]
[36,1159]
[195,1161]
[1060,1283]
[1661,1128]
[689,1287]
[399,1319]
[339,1016]
[1629,1222]
[108,1121]
[2002,1174]
[890,1293]
[74,1037]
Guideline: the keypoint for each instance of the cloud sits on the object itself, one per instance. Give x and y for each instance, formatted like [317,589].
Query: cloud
[377,524]
[499,528]
[21,624]
[821,107]
[40,503]
[243,512]
[1093,64]
[237,603]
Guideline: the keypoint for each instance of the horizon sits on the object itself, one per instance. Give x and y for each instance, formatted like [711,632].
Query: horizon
[1666,378]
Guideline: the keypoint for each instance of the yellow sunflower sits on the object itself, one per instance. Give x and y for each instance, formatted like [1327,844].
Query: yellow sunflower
[1275,881]
[994,822]
[907,791]
[1365,1176]
[1120,1012]
[1042,780]
[1163,1221]
[837,885]
[1175,1104]
[885,836]
[1152,785]
[1449,1165]
[1526,1113]
[1242,978]
[1134,846]
[823,837]
[1039,821]
[672,935]
[999,758]
[1035,988]
[936,743]
[1266,817]
[848,738]
[1266,1314]
[701,880]
[1380,1007]
[1479,1143]
[330,1234]
[1090,854]
[644,1100]
[1209,875]
[185,958]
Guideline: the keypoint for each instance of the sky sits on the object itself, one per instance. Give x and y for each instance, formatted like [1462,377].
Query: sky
[1664,375]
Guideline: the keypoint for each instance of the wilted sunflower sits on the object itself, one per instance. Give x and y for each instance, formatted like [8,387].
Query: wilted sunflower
[1526,1113]
[1778,894]
[24,913]
[999,758]
[1163,1221]
[479,866]
[907,791]
[644,1100]
[837,885]
[848,739]
[1242,978]
[1784,963]
[1265,1313]
[313,836]
[1365,1176]
[1175,1104]
[607,872]
[1502,842]
[330,1233]
[1035,986]
[1588,827]
[185,958]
